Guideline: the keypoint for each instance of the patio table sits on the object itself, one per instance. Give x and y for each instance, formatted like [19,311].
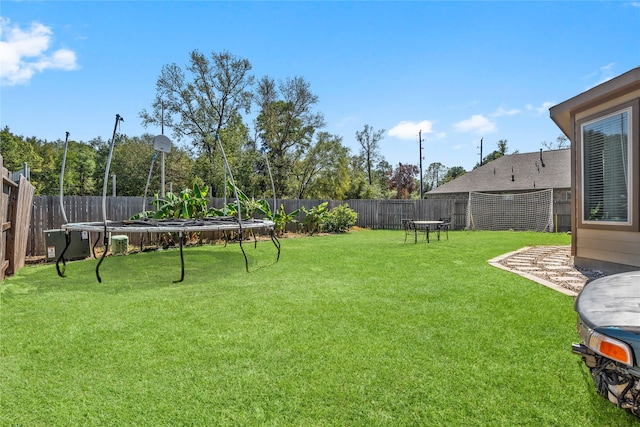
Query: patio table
[425,226]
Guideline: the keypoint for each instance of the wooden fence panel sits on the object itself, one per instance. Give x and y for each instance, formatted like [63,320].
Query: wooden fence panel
[20,220]
[4,218]
[374,214]
[15,218]
[562,215]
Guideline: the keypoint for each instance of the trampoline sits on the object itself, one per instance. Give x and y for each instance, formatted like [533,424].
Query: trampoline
[169,225]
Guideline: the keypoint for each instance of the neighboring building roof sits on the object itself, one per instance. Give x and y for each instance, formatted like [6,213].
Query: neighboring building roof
[528,174]
[561,113]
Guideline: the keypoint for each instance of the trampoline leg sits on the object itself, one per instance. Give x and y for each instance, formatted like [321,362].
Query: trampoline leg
[106,248]
[246,261]
[67,238]
[276,242]
[181,260]
[93,248]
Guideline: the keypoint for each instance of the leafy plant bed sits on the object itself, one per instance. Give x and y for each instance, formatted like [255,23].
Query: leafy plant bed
[347,329]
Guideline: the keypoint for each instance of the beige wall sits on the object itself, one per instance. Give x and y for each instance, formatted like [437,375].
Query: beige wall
[611,248]
[610,251]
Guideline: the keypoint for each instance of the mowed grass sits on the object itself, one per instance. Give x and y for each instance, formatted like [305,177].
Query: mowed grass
[359,329]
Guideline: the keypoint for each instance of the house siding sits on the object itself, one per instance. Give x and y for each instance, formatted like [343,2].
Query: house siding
[608,247]
[611,251]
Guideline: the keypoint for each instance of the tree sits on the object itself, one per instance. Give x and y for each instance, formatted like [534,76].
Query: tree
[358,186]
[434,175]
[130,164]
[502,147]
[323,172]
[16,151]
[403,180]
[80,169]
[369,141]
[211,170]
[501,151]
[102,148]
[47,179]
[561,142]
[200,105]
[285,125]
[453,173]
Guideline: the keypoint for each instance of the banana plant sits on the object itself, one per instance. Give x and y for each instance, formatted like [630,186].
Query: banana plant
[248,206]
[315,217]
[280,217]
[190,203]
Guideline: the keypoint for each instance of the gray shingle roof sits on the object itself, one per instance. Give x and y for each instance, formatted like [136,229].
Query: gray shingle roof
[528,174]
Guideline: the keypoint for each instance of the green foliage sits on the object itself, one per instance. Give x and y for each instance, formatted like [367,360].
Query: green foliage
[280,217]
[369,140]
[453,173]
[323,171]
[594,213]
[191,203]
[315,217]
[16,151]
[285,126]
[201,99]
[248,206]
[339,219]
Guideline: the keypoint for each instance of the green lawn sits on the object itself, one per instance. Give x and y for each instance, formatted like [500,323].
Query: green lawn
[355,329]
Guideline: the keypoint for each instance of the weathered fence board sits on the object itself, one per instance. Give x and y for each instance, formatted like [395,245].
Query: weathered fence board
[20,220]
[15,218]
[375,214]
[4,218]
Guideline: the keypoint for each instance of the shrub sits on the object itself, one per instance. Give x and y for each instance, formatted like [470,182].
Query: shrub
[339,219]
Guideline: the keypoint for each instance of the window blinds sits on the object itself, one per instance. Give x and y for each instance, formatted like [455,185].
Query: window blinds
[606,168]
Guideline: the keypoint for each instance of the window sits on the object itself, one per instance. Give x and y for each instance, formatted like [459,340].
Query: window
[606,183]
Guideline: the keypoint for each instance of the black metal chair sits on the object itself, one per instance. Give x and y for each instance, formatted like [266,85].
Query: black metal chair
[410,227]
[446,223]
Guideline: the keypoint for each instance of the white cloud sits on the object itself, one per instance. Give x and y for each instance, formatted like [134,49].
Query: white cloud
[602,74]
[477,124]
[502,112]
[542,109]
[409,130]
[23,53]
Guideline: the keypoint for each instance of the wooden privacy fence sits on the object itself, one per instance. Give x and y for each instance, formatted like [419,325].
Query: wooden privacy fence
[15,217]
[387,214]
[375,214]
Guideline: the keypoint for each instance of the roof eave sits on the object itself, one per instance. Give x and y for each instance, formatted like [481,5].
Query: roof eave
[561,113]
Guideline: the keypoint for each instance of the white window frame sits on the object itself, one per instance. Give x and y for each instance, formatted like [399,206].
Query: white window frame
[630,183]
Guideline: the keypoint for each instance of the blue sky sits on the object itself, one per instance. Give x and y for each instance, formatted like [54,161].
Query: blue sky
[458,71]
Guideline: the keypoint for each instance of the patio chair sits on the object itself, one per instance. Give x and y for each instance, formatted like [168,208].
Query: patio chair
[446,223]
[410,227]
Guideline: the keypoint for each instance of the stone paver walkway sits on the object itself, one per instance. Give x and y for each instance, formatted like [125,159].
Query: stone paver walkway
[551,266]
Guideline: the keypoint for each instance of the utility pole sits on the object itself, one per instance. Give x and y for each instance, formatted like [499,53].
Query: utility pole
[162,155]
[420,144]
[481,151]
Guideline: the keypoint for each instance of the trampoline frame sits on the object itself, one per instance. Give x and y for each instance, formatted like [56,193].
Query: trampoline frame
[168,225]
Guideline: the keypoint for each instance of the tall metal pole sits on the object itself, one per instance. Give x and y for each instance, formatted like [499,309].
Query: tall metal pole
[481,151]
[106,172]
[420,144]
[64,158]
[162,156]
